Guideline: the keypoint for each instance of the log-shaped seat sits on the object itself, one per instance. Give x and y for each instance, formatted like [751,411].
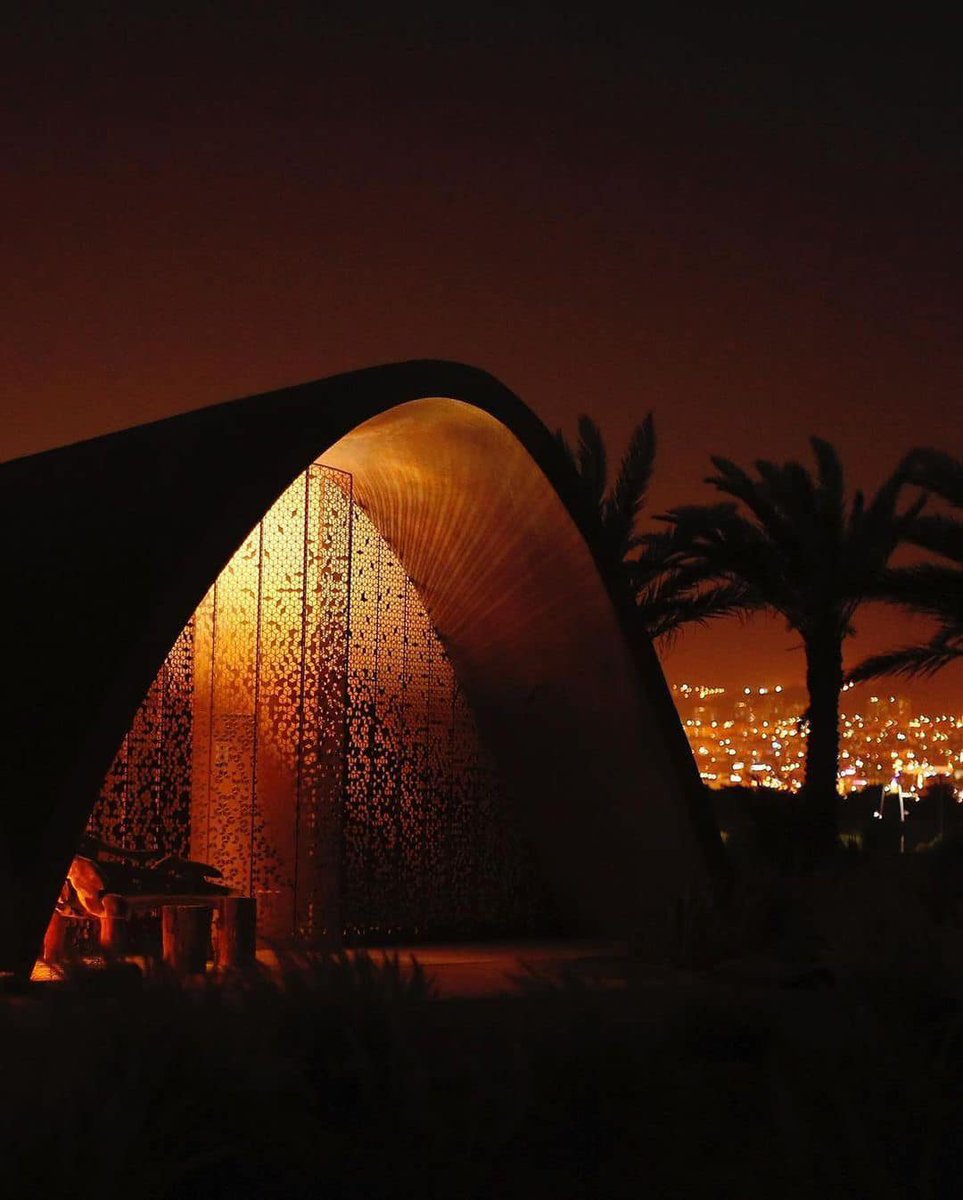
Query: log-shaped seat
[191,924]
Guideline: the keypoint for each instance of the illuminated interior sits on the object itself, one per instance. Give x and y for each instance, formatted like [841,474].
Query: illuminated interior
[307,736]
[480,513]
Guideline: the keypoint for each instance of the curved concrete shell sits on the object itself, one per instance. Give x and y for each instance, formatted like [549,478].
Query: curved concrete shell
[112,543]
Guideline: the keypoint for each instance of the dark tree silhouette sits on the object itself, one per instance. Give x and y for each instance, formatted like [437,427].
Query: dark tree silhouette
[666,596]
[619,507]
[932,588]
[801,550]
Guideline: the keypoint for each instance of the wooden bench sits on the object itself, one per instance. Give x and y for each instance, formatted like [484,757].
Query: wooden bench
[189,925]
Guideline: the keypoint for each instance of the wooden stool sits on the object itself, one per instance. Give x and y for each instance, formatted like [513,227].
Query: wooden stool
[113,926]
[186,937]
[185,930]
[235,929]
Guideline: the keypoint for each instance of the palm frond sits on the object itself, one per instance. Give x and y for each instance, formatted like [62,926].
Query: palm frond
[622,508]
[688,607]
[910,661]
[941,534]
[831,477]
[668,601]
[882,524]
[796,490]
[936,471]
[717,544]
[592,460]
[928,588]
[872,536]
[735,482]
[563,444]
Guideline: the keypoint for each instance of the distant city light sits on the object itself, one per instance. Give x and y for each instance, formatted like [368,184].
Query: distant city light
[743,736]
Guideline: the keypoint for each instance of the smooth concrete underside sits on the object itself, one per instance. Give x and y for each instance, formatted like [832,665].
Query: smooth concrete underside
[512,589]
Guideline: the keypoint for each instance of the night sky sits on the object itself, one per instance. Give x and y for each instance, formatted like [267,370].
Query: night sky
[750,226]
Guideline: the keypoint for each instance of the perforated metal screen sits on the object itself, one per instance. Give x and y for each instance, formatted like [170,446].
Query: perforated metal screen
[307,736]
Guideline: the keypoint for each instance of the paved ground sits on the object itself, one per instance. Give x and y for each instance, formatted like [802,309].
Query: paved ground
[499,968]
[486,968]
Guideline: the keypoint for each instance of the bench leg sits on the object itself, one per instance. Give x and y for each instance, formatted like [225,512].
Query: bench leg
[186,935]
[236,929]
[113,935]
[113,927]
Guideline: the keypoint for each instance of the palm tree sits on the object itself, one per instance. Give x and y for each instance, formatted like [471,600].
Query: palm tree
[666,597]
[792,541]
[932,588]
[663,597]
[618,508]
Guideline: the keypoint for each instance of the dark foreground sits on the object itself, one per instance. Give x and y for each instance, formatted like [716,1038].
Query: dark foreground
[805,1042]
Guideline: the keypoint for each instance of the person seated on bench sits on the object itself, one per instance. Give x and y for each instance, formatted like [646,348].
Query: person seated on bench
[99,869]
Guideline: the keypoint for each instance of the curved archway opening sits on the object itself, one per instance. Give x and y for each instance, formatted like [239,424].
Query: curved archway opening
[307,737]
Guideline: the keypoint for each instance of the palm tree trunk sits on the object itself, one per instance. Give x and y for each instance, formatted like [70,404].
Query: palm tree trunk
[824,681]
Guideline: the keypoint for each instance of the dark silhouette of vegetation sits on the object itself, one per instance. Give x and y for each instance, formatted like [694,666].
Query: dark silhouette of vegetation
[934,589]
[618,508]
[665,597]
[806,1044]
[800,549]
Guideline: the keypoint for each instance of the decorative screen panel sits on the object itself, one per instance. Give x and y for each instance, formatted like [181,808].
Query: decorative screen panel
[431,846]
[307,736]
[271,695]
[145,799]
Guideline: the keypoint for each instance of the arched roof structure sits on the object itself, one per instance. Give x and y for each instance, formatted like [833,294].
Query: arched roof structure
[111,544]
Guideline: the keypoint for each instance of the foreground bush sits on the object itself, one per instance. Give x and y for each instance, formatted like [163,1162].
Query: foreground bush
[337,1079]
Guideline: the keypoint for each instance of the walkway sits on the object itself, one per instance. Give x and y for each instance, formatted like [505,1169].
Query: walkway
[472,970]
[501,968]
